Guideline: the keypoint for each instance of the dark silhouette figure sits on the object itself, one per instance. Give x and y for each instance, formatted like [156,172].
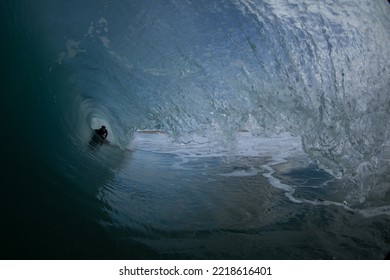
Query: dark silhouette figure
[102,132]
[99,137]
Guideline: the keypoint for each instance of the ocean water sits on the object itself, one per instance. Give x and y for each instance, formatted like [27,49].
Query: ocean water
[238,129]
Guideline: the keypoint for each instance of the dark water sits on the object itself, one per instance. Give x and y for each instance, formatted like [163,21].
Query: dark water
[195,70]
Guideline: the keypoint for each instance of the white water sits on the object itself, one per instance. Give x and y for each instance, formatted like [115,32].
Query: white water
[276,150]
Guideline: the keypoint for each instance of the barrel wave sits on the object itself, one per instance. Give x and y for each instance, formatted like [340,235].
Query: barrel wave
[168,78]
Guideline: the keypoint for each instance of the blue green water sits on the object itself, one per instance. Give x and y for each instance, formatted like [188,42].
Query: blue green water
[239,129]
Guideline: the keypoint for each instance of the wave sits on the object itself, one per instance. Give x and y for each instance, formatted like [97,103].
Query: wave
[319,71]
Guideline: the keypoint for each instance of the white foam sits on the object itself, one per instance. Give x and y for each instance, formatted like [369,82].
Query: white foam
[160,142]
[246,144]
[278,148]
[375,211]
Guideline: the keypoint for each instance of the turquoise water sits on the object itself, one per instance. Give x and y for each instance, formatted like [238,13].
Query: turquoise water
[238,129]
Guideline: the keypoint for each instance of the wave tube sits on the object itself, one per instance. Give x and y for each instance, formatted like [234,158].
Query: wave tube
[318,70]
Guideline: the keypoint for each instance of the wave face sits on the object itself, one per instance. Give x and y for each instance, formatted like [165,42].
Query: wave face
[318,70]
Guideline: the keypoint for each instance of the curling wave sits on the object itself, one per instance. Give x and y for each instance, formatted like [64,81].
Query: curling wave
[317,70]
